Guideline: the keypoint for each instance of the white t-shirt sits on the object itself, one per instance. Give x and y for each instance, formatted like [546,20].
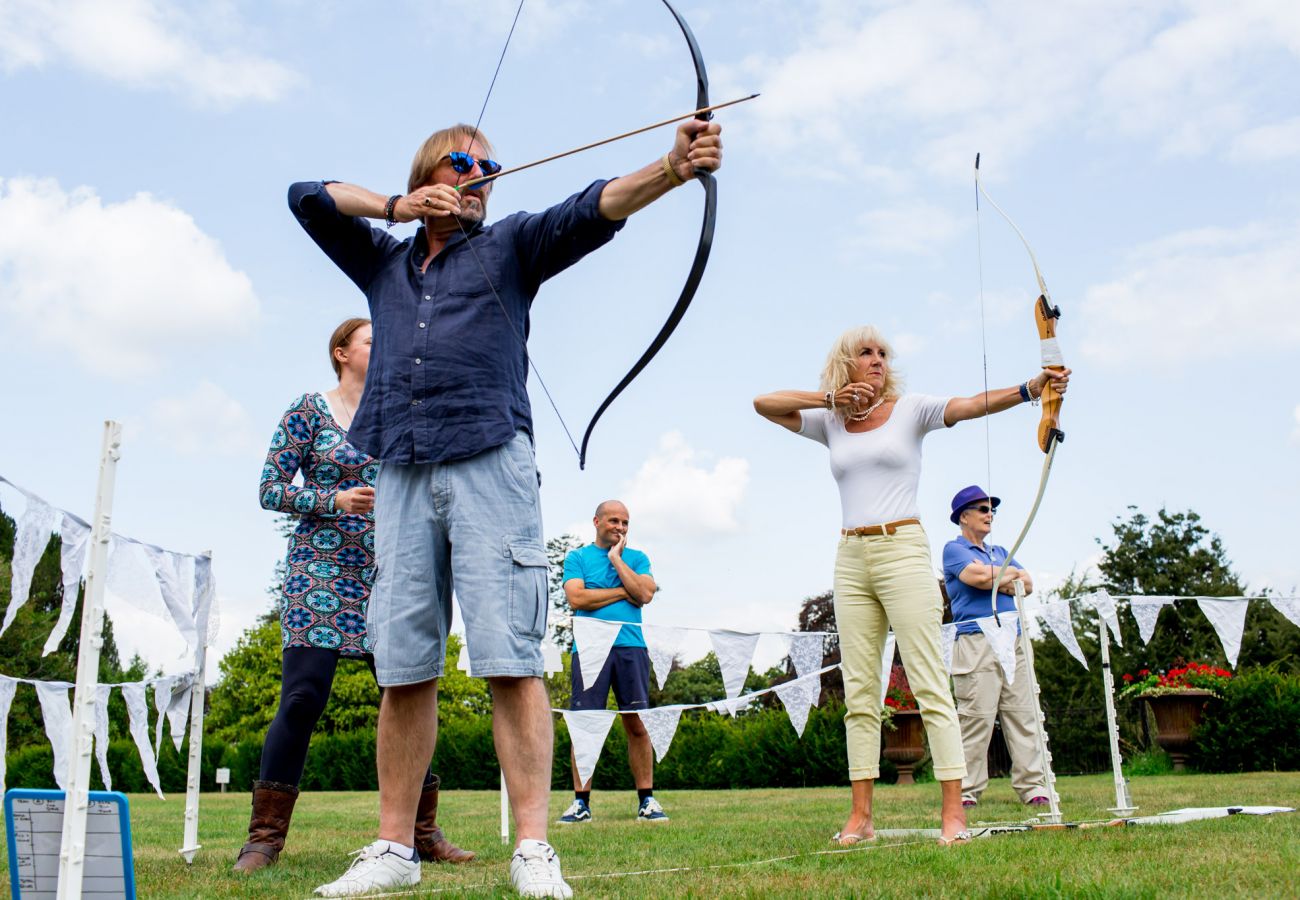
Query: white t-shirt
[877,471]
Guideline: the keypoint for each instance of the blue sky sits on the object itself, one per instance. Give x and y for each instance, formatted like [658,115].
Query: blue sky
[150,272]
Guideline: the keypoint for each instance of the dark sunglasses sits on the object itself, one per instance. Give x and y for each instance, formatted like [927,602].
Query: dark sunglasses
[463,163]
[984,508]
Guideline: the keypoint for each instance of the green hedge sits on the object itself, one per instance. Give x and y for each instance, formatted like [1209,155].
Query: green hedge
[1254,728]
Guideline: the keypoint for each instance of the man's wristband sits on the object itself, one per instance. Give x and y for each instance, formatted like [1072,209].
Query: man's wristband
[830,399]
[1025,396]
[389,207]
[673,178]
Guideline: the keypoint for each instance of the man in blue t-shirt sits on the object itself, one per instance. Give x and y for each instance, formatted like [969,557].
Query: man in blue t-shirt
[980,685]
[611,581]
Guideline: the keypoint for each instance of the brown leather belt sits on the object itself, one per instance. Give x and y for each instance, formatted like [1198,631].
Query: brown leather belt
[876,530]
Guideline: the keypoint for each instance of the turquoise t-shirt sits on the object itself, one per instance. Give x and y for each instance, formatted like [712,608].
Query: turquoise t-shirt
[591,564]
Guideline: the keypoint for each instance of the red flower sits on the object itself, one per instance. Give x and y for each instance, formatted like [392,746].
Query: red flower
[1128,677]
[1144,672]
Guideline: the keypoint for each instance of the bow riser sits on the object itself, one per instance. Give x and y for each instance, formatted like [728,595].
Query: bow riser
[1049,426]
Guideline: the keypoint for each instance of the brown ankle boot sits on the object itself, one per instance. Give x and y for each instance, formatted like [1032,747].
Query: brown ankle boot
[430,842]
[272,808]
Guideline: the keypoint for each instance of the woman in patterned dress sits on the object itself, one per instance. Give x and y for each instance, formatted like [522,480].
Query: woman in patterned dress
[330,568]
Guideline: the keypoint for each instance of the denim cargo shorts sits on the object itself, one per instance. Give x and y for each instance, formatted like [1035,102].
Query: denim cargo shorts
[472,527]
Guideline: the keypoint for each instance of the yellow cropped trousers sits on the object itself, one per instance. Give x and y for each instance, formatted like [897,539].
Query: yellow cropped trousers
[884,581]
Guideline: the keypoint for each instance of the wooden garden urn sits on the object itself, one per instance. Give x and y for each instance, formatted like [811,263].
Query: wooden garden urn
[905,745]
[1176,716]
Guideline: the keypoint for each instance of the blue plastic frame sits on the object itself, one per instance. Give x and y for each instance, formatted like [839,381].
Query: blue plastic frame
[124,817]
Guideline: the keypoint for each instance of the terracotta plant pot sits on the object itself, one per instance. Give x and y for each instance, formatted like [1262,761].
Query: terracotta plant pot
[904,746]
[1176,716]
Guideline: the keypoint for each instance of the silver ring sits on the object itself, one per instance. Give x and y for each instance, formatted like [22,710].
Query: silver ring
[428,202]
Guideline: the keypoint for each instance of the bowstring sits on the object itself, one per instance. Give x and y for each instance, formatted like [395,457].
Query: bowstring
[519,335]
[984,352]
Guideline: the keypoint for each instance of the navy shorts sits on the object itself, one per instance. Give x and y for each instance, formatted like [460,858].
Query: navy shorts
[626,670]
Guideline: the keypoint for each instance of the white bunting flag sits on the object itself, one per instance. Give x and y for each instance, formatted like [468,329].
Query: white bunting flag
[947,638]
[206,617]
[1056,616]
[806,653]
[162,699]
[178,711]
[732,706]
[588,729]
[1146,610]
[592,639]
[886,664]
[30,538]
[1104,603]
[166,566]
[552,659]
[661,722]
[102,693]
[1229,620]
[137,709]
[735,651]
[58,726]
[799,697]
[1002,636]
[1287,606]
[7,688]
[663,642]
[75,539]
[462,659]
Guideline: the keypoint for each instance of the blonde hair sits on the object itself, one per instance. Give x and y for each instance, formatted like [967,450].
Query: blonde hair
[438,145]
[840,362]
[341,337]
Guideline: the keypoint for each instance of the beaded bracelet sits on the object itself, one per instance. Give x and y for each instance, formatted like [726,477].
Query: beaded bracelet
[389,208]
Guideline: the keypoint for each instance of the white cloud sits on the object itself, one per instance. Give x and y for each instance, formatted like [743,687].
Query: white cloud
[116,285]
[674,495]
[206,421]
[914,228]
[140,43]
[924,85]
[1295,432]
[1198,295]
[1267,143]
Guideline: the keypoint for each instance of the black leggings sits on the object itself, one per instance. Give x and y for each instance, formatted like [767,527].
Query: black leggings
[306,676]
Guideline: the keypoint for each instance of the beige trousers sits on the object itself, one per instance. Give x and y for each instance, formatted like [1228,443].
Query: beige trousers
[883,581]
[982,695]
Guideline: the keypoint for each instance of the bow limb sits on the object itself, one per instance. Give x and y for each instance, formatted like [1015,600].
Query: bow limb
[702,249]
[1049,425]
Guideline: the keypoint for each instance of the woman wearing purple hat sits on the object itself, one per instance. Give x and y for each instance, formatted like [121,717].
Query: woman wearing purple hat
[883,574]
[982,690]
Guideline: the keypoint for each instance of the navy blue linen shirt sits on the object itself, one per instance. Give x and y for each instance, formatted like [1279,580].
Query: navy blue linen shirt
[448,369]
[968,603]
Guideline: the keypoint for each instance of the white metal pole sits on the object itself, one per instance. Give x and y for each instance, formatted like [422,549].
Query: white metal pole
[198,699]
[72,850]
[505,810]
[1123,802]
[1053,814]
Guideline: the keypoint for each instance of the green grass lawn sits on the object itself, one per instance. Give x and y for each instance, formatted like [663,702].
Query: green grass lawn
[772,843]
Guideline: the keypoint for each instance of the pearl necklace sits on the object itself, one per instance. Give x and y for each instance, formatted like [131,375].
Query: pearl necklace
[862,417]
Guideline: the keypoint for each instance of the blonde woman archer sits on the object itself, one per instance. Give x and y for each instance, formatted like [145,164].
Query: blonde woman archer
[883,574]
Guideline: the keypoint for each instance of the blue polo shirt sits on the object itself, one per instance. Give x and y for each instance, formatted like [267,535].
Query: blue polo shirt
[448,369]
[591,564]
[968,603]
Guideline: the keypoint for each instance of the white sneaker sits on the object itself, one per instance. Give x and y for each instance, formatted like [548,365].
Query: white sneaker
[535,871]
[375,868]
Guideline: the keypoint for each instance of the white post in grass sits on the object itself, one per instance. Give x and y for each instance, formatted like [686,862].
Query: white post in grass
[72,850]
[505,810]
[1053,815]
[202,608]
[1123,803]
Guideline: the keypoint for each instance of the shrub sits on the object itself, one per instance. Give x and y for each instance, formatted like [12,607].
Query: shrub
[1256,727]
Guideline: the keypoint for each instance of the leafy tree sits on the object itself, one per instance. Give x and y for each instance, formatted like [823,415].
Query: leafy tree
[556,550]
[22,645]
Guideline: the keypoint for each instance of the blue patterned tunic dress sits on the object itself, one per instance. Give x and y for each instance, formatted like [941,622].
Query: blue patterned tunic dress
[331,559]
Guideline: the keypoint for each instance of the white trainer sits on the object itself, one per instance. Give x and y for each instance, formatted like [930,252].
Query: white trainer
[374,868]
[535,871]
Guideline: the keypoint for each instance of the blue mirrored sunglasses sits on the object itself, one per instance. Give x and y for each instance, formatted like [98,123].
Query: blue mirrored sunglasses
[463,163]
